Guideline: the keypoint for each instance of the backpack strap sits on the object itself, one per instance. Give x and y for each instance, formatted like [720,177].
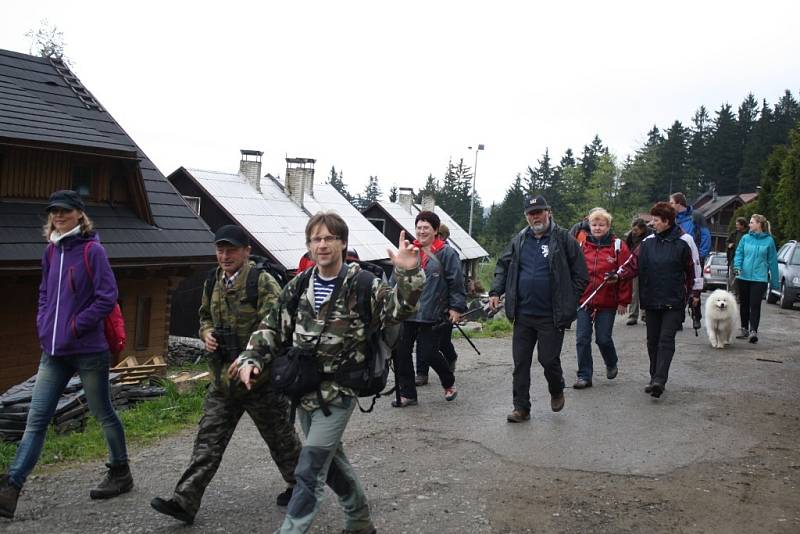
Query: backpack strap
[251,286]
[364,281]
[211,282]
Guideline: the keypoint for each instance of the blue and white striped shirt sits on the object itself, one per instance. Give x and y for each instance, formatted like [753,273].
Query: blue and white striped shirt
[322,290]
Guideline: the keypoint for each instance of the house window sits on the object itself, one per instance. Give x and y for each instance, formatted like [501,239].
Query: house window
[82,180]
[380,224]
[142,334]
[193,202]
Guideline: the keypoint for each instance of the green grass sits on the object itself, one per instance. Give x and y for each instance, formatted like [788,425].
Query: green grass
[486,273]
[144,423]
[498,327]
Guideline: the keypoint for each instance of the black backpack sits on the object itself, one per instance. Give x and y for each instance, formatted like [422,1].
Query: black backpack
[277,271]
[367,378]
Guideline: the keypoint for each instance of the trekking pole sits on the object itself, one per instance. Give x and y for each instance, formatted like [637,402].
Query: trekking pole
[467,338]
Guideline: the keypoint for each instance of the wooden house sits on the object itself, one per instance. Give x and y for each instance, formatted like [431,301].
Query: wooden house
[718,210]
[54,134]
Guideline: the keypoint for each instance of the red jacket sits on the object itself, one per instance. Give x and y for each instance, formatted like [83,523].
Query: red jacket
[601,259]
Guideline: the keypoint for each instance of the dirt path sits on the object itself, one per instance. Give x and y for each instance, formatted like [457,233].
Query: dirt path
[718,453]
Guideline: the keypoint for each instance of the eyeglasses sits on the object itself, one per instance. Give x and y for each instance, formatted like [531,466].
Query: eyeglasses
[328,239]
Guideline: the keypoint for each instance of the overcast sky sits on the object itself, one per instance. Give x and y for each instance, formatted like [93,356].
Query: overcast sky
[397,89]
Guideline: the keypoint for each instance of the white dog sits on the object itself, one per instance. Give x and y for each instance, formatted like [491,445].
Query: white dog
[721,312]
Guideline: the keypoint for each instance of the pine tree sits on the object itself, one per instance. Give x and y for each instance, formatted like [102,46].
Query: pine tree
[393,193]
[567,160]
[788,188]
[506,218]
[724,151]
[756,150]
[674,160]
[336,180]
[787,113]
[591,154]
[698,164]
[372,192]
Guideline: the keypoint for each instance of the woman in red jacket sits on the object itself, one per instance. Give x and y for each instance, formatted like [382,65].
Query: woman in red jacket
[603,253]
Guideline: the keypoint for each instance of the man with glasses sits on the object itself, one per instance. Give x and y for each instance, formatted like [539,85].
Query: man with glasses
[323,319]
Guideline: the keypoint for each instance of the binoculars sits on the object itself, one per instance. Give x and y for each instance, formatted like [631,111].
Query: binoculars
[227,343]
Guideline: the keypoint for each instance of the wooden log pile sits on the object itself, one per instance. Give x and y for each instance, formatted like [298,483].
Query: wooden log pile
[72,410]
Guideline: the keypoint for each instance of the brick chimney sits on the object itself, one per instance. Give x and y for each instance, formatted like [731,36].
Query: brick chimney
[405,197]
[299,178]
[250,167]
[428,202]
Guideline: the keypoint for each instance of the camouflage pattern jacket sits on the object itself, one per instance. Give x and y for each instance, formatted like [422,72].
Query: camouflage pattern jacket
[230,308]
[344,338]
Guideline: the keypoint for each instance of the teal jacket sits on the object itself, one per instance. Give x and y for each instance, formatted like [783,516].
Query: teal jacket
[755,257]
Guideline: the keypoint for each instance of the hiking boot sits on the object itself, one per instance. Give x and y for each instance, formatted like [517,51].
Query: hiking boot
[648,388]
[518,416]
[450,393]
[743,334]
[368,530]
[284,498]
[118,481]
[421,380]
[632,321]
[696,323]
[656,390]
[171,508]
[753,337]
[557,401]
[582,383]
[611,372]
[403,402]
[9,494]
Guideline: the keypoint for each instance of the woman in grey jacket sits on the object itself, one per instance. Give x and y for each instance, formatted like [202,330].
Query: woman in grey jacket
[442,302]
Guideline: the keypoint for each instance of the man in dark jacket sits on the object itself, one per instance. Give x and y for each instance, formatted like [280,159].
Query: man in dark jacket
[542,273]
[730,251]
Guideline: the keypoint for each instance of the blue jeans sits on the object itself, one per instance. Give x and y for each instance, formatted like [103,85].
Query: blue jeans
[52,378]
[603,328]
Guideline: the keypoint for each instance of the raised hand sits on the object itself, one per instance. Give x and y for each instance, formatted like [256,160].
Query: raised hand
[407,256]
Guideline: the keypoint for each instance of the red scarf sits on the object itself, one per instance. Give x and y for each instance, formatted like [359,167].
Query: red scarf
[436,246]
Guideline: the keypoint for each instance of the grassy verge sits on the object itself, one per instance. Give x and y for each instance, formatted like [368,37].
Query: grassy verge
[486,273]
[144,423]
[499,327]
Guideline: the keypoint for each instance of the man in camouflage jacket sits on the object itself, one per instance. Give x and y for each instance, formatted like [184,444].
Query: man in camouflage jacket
[342,340]
[225,307]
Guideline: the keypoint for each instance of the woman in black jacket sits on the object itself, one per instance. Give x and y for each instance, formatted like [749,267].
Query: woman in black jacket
[669,274]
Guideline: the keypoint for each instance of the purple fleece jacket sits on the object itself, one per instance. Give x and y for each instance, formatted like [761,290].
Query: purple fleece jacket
[72,304]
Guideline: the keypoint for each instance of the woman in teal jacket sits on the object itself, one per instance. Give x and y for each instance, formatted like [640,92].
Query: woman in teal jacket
[755,258]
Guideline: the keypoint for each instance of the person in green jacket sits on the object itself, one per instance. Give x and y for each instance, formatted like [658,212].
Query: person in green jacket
[755,264]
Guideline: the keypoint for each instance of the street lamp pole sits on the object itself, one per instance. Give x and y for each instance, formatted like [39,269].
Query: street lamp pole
[472,197]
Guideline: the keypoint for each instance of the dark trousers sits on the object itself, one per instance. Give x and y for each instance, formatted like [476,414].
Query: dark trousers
[528,331]
[662,326]
[221,413]
[445,347]
[427,340]
[750,296]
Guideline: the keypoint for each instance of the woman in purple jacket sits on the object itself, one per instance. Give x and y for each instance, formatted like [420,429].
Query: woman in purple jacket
[77,292]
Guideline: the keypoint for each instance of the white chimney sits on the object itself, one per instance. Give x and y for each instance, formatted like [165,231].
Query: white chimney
[299,178]
[250,167]
[428,202]
[405,197]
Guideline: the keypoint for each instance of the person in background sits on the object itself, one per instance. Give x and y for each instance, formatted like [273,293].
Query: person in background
[693,224]
[669,275]
[442,302]
[542,274]
[755,264]
[446,348]
[78,290]
[227,318]
[734,237]
[603,253]
[639,230]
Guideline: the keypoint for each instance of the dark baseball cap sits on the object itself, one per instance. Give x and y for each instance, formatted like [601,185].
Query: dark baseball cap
[65,199]
[535,203]
[230,233]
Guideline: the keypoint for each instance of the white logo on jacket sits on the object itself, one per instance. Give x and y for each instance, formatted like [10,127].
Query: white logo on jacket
[545,250]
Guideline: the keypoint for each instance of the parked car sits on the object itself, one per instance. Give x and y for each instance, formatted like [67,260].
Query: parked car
[715,271]
[789,269]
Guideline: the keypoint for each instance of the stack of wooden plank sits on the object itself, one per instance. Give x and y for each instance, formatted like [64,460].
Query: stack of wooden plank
[72,410]
[135,370]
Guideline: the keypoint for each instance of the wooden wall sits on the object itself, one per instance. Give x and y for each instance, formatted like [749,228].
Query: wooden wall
[20,350]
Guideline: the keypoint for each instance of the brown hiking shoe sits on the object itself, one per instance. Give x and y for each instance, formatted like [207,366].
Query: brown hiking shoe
[518,416]
[557,401]
[9,494]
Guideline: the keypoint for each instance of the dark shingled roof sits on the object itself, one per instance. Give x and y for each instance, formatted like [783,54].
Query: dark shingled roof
[41,101]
